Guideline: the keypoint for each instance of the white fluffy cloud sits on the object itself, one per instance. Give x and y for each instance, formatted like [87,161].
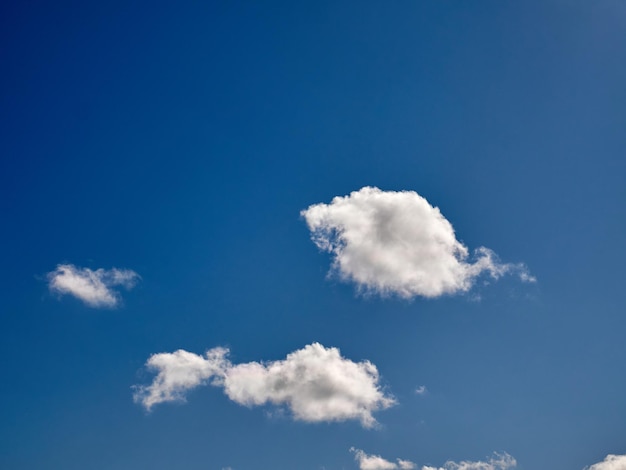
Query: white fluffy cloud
[611,462]
[376,462]
[315,383]
[397,243]
[95,288]
[496,462]
[179,372]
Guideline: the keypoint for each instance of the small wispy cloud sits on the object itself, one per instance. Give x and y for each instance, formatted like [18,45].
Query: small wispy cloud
[376,462]
[421,390]
[611,462]
[498,461]
[395,242]
[94,288]
[314,383]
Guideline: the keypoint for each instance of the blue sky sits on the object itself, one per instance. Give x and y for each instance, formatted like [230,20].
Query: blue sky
[180,146]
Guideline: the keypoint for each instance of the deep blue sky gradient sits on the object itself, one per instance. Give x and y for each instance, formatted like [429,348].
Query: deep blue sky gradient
[183,141]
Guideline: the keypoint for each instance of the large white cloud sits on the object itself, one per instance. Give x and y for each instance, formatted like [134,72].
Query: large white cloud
[496,462]
[611,462]
[376,462]
[397,243]
[315,383]
[95,288]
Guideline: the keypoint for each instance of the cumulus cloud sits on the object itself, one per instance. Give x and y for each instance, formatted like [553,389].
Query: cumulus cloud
[611,462]
[315,383]
[496,462]
[376,462]
[392,242]
[179,372]
[95,288]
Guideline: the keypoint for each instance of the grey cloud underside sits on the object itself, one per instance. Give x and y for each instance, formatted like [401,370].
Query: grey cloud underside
[395,242]
[94,288]
[315,383]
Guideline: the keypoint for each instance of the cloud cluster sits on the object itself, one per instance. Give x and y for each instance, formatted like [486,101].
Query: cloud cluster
[496,462]
[315,383]
[392,242]
[95,288]
[376,462]
[611,462]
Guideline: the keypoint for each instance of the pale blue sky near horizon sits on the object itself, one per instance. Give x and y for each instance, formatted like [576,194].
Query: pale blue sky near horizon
[182,142]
